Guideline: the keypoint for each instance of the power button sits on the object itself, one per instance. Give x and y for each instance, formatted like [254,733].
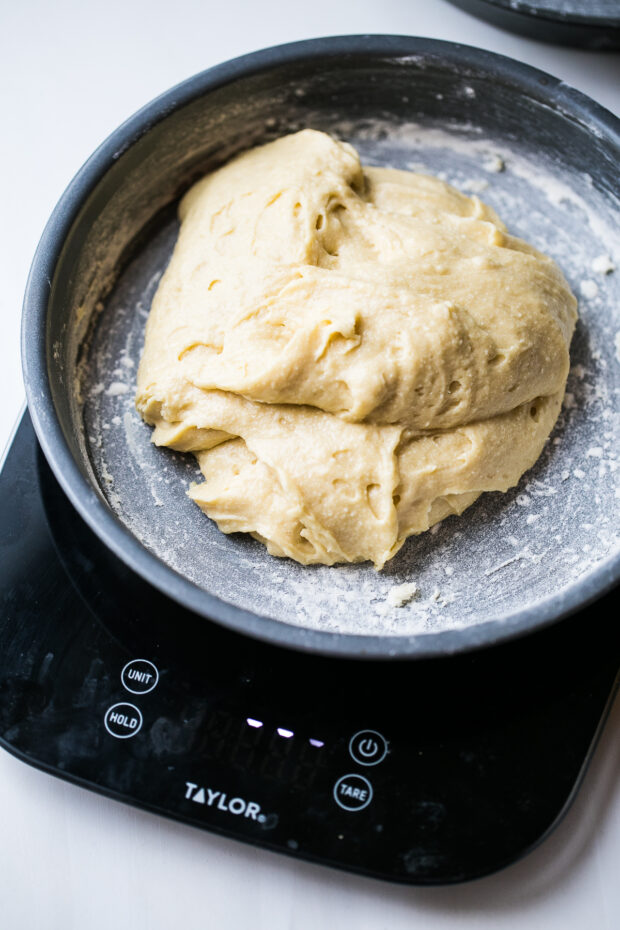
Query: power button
[367,747]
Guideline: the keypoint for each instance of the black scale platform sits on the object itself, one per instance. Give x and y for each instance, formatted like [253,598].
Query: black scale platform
[420,772]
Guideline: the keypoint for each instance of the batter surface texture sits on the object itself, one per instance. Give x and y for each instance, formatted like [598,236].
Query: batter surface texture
[352,354]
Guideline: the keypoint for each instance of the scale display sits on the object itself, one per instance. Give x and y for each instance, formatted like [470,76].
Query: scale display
[423,772]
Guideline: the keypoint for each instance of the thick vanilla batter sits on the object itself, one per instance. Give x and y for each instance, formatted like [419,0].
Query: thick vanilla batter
[352,355]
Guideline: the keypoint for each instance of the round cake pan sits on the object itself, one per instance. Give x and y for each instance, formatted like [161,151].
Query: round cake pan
[542,153]
[594,25]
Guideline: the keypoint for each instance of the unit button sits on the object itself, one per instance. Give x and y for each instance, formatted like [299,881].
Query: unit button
[368,747]
[123,720]
[139,676]
[353,792]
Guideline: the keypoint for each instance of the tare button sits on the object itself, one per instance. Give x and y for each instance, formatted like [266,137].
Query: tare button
[367,747]
[139,676]
[353,792]
[123,720]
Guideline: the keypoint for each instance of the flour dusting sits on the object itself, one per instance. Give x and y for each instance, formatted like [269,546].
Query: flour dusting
[401,594]
[508,551]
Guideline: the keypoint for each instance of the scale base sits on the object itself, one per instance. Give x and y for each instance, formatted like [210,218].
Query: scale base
[425,772]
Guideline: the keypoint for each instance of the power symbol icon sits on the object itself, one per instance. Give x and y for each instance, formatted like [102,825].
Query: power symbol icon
[367,747]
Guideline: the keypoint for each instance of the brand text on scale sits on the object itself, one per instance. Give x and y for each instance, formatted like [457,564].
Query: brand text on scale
[220,800]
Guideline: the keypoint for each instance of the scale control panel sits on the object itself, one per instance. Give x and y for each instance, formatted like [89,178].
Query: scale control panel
[274,751]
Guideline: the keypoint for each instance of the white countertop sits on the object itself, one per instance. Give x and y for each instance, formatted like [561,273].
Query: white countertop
[71,71]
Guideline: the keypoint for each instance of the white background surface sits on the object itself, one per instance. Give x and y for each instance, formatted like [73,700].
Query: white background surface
[70,72]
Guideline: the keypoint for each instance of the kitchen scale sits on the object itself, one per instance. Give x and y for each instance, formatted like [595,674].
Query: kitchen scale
[423,772]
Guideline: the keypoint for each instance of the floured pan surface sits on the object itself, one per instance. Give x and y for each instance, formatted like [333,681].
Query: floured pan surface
[508,551]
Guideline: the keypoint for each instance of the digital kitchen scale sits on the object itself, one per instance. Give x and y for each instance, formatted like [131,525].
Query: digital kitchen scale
[423,772]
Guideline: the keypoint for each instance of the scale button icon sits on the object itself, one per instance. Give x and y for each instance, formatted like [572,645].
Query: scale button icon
[353,792]
[367,747]
[139,676]
[123,720]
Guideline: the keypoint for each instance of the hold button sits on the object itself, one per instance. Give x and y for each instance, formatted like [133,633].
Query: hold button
[123,720]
